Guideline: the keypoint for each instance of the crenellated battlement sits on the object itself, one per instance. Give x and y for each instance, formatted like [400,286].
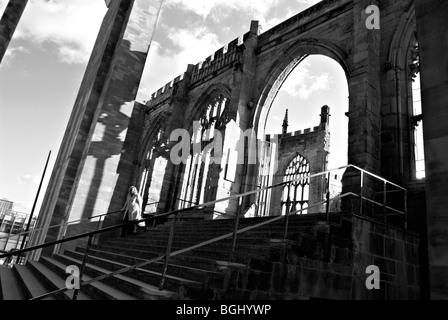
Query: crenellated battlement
[294,134]
[167,90]
[221,58]
[218,60]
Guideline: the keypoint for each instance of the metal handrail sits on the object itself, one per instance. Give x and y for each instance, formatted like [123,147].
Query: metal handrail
[187,209]
[58,225]
[181,251]
[74,221]
[178,211]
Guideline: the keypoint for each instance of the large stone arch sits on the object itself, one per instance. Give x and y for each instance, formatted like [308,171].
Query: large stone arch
[284,65]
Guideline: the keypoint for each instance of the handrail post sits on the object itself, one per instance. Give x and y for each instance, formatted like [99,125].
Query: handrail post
[237,222]
[405,209]
[288,205]
[98,226]
[328,198]
[361,192]
[83,264]
[384,201]
[167,253]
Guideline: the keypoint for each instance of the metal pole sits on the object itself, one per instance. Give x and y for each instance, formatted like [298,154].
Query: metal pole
[34,206]
[328,197]
[167,253]
[361,192]
[288,205]
[83,265]
[237,222]
[384,201]
[405,209]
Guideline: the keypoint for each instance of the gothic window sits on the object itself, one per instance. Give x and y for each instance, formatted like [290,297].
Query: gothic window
[296,193]
[213,116]
[155,164]
[416,118]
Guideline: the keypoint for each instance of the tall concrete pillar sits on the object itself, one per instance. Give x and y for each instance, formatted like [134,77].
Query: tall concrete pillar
[432,27]
[8,23]
[96,160]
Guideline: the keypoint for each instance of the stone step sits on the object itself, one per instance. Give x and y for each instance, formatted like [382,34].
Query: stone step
[114,262]
[231,225]
[10,288]
[30,282]
[97,290]
[215,251]
[247,242]
[185,241]
[146,288]
[53,281]
[149,253]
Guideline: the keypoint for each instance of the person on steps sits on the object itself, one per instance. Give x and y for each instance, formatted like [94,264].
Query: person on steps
[132,211]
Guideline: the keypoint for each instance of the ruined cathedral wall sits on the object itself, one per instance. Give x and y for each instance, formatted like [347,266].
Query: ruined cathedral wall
[311,144]
[321,29]
[398,27]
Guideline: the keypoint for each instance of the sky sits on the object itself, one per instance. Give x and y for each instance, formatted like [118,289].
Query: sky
[42,70]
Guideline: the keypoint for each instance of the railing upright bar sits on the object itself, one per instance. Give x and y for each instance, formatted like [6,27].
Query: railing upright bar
[405,209]
[237,222]
[288,205]
[384,201]
[361,192]
[98,226]
[83,265]
[180,251]
[327,209]
[167,253]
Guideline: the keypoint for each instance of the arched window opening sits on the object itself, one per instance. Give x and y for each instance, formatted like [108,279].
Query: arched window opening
[316,81]
[199,164]
[315,86]
[153,174]
[296,193]
[417,117]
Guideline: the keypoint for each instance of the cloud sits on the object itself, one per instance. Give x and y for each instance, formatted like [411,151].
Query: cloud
[27,179]
[162,69]
[71,25]
[203,8]
[178,43]
[11,53]
[302,83]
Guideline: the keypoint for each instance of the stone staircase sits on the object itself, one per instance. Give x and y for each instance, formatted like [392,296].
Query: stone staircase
[209,272]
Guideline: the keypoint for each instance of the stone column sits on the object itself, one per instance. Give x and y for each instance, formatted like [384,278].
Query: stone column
[364,102]
[96,160]
[432,26]
[8,23]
